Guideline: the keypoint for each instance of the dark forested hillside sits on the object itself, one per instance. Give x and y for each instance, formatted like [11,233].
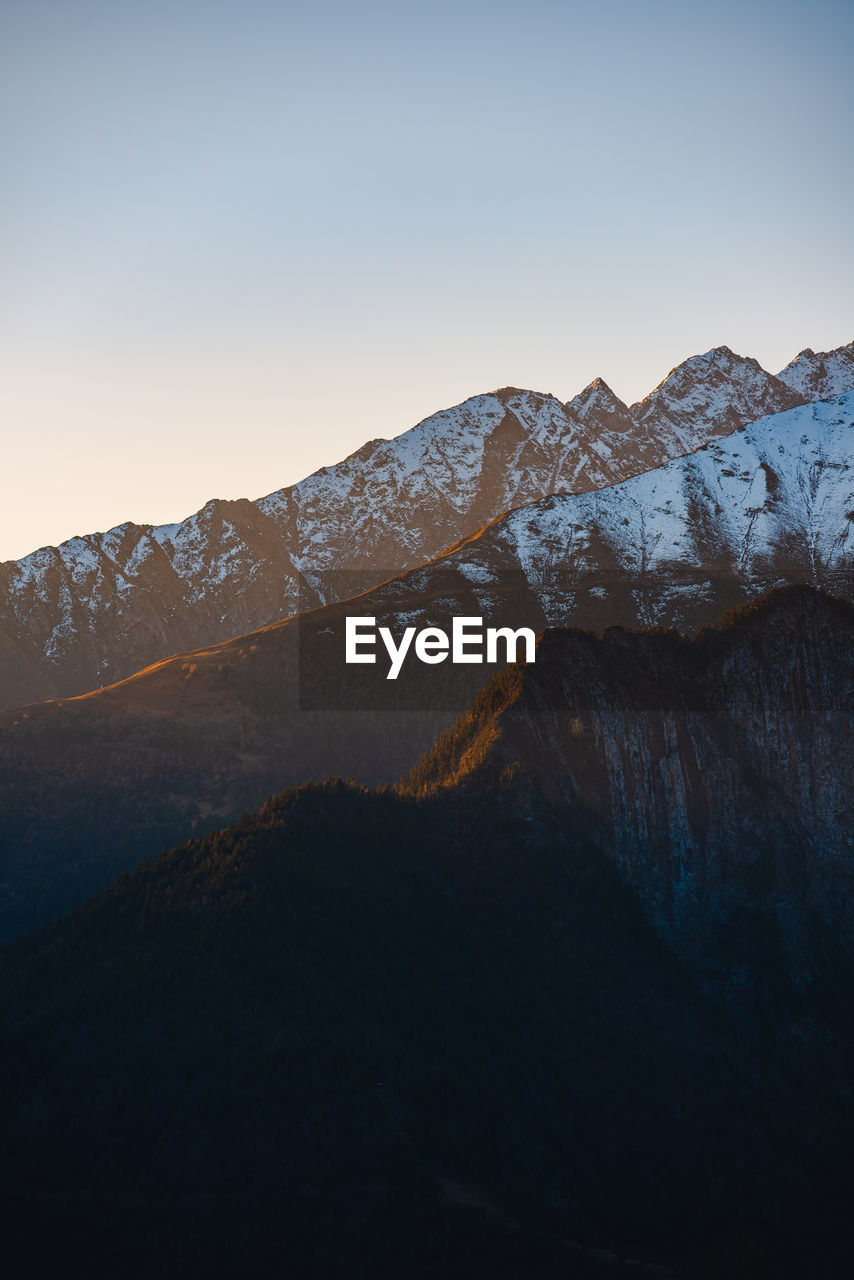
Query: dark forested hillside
[361,1035]
[469,1027]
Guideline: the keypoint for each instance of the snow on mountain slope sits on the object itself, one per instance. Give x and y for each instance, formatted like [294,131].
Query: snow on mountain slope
[771,503]
[718,387]
[461,467]
[101,606]
[819,375]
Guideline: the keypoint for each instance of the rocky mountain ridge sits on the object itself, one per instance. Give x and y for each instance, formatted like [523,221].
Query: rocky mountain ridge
[818,376]
[97,608]
[773,502]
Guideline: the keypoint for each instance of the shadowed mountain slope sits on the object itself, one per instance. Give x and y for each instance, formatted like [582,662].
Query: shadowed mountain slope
[717,773]
[582,984]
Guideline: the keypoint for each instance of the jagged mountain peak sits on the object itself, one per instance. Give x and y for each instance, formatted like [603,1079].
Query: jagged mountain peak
[820,375]
[722,355]
[706,364]
[505,394]
[595,396]
[604,416]
[717,385]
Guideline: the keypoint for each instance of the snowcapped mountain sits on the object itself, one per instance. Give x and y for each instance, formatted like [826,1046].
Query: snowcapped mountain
[771,503]
[207,734]
[819,375]
[101,606]
[718,387]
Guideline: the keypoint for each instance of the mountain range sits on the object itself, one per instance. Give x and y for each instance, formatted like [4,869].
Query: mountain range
[567,994]
[99,607]
[90,785]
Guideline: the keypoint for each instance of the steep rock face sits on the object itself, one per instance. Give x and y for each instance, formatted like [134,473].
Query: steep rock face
[99,607]
[820,375]
[717,773]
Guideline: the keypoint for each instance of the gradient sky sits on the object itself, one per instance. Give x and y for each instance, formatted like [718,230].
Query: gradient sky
[239,239]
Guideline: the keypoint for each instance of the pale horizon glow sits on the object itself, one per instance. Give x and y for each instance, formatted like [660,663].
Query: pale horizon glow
[241,240]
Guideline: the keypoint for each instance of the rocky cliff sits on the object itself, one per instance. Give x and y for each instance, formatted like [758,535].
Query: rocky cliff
[717,774]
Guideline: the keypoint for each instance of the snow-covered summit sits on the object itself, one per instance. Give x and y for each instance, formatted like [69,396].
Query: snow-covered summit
[717,386]
[597,404]
[819,375]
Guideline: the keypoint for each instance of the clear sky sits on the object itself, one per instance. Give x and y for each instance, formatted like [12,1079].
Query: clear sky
[239,237]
